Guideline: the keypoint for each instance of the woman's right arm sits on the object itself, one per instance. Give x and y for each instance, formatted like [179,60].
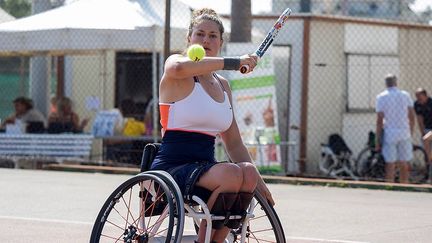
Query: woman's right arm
[181,67]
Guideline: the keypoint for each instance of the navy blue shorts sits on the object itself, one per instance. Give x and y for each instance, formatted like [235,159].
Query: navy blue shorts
[186,176]
[186,156]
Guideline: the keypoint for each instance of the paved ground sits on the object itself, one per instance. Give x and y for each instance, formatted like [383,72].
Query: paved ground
[47,206]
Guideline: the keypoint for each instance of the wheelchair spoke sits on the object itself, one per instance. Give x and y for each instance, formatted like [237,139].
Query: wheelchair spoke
[263,227]
[263,230]
[110,237]
[256,218]
[128,207]
[263,240]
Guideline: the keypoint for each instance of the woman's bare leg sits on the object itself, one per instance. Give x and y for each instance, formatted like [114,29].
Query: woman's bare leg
[250,179]
[250,176]
[221,178]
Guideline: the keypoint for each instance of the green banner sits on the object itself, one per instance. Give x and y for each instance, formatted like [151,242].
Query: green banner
[254,82]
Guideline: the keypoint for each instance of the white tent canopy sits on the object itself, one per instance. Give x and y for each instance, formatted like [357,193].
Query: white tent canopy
[93,25]
[5,17]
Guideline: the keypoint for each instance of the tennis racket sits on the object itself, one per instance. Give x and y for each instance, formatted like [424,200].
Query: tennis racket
[268,40]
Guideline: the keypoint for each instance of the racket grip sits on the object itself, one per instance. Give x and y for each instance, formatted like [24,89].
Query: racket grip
[244,69]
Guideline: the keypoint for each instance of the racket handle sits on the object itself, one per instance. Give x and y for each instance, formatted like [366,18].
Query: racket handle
[244,69]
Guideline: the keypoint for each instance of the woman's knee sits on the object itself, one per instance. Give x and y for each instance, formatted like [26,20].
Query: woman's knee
[234,172]
[250,174]
[230,176]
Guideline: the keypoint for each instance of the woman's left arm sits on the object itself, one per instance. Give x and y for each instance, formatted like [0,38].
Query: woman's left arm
[238,152]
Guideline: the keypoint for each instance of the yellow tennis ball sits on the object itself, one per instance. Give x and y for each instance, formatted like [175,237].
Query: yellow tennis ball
[196,52]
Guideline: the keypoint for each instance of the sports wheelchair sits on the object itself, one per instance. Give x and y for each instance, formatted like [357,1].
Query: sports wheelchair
[336,159]
[149,207]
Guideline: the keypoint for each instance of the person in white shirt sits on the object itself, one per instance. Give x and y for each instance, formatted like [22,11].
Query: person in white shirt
[394,128]
[24,113]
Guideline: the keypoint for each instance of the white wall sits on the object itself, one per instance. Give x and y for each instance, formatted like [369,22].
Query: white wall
[326,92]
[370,39]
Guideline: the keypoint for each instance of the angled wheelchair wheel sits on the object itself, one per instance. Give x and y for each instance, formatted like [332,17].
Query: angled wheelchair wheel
[179,210]
[328,165]
[371,165]
[265,226]
[142,209]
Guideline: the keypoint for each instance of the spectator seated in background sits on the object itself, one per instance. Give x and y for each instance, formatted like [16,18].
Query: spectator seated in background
[53,104]
[123,149]
[132,127]
[64,119]
[25,114]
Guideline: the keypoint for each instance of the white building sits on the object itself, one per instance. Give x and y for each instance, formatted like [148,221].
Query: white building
[5,17]
[336,68]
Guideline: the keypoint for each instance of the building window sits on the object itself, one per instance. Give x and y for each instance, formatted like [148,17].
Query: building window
[365,79]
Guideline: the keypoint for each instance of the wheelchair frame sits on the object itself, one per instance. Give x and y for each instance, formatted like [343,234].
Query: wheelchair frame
[159,186]
[337,166]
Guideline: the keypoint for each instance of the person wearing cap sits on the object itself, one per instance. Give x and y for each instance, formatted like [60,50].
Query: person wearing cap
[394,128]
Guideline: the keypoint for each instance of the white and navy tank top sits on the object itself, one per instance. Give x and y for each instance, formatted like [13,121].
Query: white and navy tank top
[198,112]
[190,127]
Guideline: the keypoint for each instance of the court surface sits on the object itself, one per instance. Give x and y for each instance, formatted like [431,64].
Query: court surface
[47,206]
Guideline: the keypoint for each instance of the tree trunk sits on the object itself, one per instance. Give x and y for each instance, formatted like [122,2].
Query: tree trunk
[241,21]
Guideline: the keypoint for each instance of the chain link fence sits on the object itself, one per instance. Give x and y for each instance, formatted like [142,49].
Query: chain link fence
[321,76]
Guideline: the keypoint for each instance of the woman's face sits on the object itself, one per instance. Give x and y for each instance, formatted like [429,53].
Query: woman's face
[207,34]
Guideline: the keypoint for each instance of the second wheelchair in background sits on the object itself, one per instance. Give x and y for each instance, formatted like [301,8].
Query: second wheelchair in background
[337,161]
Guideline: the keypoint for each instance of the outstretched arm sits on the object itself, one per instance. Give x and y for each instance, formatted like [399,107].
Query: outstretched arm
[181,67]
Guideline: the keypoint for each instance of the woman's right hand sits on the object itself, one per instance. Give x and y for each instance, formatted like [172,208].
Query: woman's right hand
[265,192]
[249,60]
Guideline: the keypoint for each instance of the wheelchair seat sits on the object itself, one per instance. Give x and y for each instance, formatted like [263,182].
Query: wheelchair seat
[336,158]
[338,145]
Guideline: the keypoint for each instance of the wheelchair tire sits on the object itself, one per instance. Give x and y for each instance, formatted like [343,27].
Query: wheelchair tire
[370,165]
[262,234]
[179,211]
[139,210]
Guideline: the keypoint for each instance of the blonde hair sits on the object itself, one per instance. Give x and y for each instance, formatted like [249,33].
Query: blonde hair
[205,14]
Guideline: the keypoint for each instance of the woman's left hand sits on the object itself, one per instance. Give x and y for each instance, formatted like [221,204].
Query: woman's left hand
[265,192]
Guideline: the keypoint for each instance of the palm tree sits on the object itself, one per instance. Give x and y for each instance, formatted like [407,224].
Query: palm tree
[241,21]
